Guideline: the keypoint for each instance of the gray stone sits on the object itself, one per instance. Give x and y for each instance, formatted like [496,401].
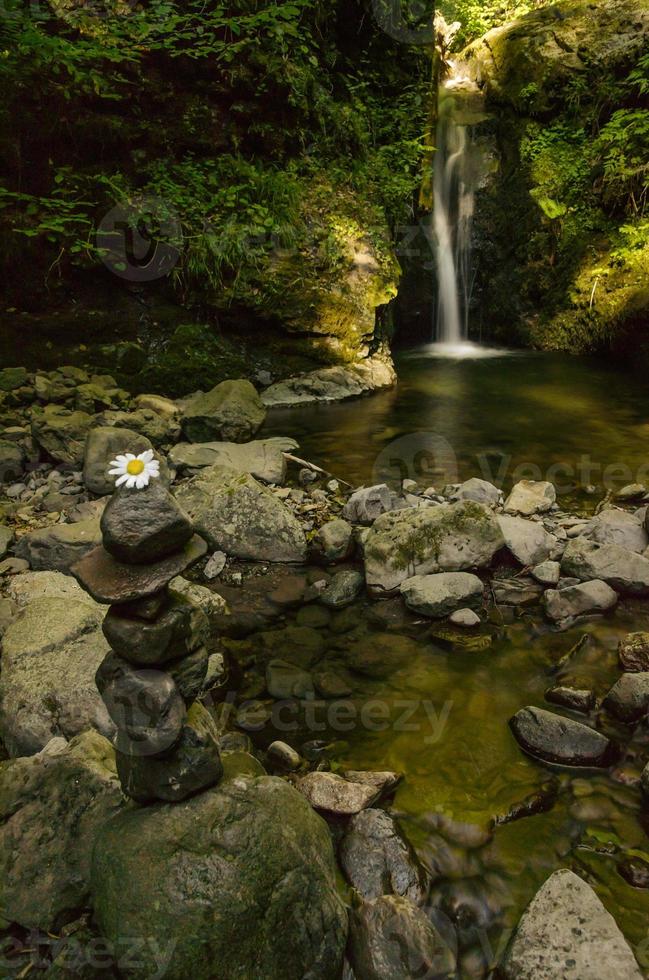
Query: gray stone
[332,794]
[232,411]
[547,573]
[332,383]
[628,699]
[530,497]
[263,458]
[579,600]
[633,652]
[613,526]
[283,756]
[447,538]
[62,434]
[569,697]
[480,491]
[244,879]
[623,570]
[368,503]
[439,595]
[213,605]
[51,807]
[633,491]
[190,673]
[377,860]
[143,526]
[144,704]
[383,780]
[160,429]
[102,445]
[192,765]
[12,461]
[566,932]
[58,547]
[285,680]
[50,653]
[177,631]
[528,541]
[6,538]
[392,939]
[335,540]
[215,565]
[464,617]
[342,589]
[23,589]
[12,377]
[553,738]
[113,582]
[158,403]
[241,517]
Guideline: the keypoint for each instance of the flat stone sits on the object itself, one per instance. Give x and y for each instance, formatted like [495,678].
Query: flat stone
[193,764]
[331,793]
[547,573]
[382,780]
[464,617]
[262,458]
[441,594]
[113,582]
[628,699]
[145,705]
[530,497]
[178,630]
[623,570]
[579,600]
[232,411]
[377,860]
[633,652]
[570,697]
[527,541]
[143,526]
[58,547]
[553,738]
[342,589]
[566,933]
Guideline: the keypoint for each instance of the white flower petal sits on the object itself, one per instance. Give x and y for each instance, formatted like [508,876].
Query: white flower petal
[146,456]
[129,457]
[124,478]
[132,480]
[121,458]
[118,472]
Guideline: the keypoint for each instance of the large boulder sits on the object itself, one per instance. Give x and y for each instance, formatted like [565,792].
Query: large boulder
[628,699]
[448,538]
[161,428]
[237,882]
[58,547]
[578,600]
[50,653]
[619,527]
[566,933]
[553,738]
[232,411]
[528,541]
[333,383]
[262,458]
[623,570]
[530,497]
[62,433]
[441,594]
[238,515]
[481,491]
[377,860]
[51,806]
[102,445]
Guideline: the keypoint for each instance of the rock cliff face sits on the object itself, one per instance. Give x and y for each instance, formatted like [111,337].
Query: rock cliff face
[562,244]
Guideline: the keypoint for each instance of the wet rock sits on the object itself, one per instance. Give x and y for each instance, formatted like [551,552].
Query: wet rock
[566,932]
[530,497]
[447,538]
[540,801]
[101,446]
[380,654]
[368,503]
[519,591]
[331,685]
[190,673]
[12,461]
[58,547]
[143,526]
[213,605]
[145,705]
[285,680]
[342,589]
[335,540]
[547,573]
[383,781]
[635,871]
[159,429]
[315,617]
[332,384]
[391,939]
[215,565]
[62,434]
[192,765]
[377,860]
[527,541]
[570,697]
[263,458]
[553,738]
[50,653]
[177,631]
[480,491]
[299,645]
[579,600]
[239,516]
[628,699]
[283,756]
[113,582]
[441,594]
[633,652]
[332,794]
[51,807]
[619,527]
[623,570]
[232,411]
[244,875]
[464,617]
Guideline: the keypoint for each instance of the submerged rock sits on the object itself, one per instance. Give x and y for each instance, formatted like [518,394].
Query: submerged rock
[624,570]
[237,881]
[530,497]
[377,860]
[51,807]
[232,411]
[441,594]
[566,932]
[447,538]
[553,738]
[342,589]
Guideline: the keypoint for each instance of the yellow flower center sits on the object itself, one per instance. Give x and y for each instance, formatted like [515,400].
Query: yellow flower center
[134,467]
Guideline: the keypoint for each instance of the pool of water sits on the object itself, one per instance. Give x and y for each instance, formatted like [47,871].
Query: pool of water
[440,713]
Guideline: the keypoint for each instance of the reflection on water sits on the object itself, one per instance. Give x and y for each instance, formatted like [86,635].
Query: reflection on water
[580,423]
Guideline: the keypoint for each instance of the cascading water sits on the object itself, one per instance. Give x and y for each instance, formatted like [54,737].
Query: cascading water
[454,184]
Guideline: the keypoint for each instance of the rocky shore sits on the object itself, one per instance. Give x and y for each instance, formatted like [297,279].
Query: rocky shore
[277,863]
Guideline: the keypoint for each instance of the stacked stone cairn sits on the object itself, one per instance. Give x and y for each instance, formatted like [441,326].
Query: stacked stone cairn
[166,742]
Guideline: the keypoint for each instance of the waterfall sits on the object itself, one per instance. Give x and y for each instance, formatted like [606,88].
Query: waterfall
[454,197]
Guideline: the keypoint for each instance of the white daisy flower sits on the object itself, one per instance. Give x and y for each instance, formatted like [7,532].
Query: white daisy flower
[134,471]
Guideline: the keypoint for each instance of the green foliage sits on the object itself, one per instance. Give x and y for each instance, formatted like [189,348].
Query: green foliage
[479,16]
[622,149]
